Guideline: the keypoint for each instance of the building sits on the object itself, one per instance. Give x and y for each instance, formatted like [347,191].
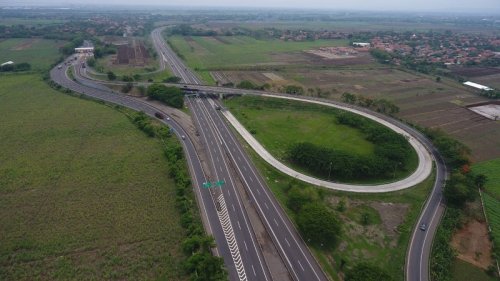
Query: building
[6,63]
[84,50]
[361,44]
[477,86]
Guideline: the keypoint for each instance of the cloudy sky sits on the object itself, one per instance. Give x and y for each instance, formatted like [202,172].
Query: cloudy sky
[380,5]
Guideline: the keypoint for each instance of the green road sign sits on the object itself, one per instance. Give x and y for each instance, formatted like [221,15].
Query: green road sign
[215,184]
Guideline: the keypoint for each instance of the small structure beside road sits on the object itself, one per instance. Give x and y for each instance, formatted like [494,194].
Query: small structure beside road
[7,63]
[478,86]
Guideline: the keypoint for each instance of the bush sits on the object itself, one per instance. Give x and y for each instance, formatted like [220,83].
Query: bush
[319,226]
[367,272]
[111,75]
[169,95]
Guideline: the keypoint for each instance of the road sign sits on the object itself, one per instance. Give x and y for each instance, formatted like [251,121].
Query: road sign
[215,184]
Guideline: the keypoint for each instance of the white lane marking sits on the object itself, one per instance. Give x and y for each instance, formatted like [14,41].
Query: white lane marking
[246,247]
[234,209]
[251,179]
[300,265]
[267,207]
[258,191]
[286,240]
[275,222]
[245,168]
[239,225]
[254,273]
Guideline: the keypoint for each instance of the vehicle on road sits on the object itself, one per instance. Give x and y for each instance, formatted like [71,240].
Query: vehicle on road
[159,115]
[423,227]
[168,118]
[60,66]
[183,137]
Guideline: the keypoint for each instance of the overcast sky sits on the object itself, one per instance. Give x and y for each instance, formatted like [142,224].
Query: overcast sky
[380,5]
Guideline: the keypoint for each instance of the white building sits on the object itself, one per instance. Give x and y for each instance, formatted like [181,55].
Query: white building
[361,44]
[84,50]
[477,86]
[6,63]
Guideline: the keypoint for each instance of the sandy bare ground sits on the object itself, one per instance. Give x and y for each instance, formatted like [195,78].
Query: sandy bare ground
[473,245]
[25,45]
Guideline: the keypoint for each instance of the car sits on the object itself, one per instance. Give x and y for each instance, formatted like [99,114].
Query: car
[423,227]
[168,118]
[183,137]
[159,115]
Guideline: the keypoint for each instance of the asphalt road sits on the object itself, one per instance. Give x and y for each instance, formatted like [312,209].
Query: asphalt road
[417,263]
[293,250]
[177,66]
[204,196]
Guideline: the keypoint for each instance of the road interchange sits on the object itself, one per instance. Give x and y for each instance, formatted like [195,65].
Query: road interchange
[419,249]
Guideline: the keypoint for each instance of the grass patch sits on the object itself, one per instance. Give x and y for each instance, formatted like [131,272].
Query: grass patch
[490,169]
[208,52]
[464,271]
[278,124]
[84,194]
[493,213]
[40,53]
[372,243]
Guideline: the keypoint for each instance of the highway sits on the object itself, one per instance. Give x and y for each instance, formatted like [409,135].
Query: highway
[177,66]
[226,149]
[419,249]
[299,261]
[236,245]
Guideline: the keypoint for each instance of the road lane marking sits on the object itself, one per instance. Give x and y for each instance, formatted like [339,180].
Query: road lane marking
[286,240]
[246,247]
[239,225]
[254,273]
[300,265]
[275,222]
[234,209]
[267,207]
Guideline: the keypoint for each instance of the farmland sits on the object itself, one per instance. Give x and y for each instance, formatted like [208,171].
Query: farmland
[40,53]
[240,51]
[280,124]
[84,194]
[491,170]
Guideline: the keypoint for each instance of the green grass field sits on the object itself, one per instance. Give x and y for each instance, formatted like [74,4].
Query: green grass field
[278,124]
[372,243]
[492,170]
[84,194]
[464,271]
[493,213]
[40,53]
[233,51]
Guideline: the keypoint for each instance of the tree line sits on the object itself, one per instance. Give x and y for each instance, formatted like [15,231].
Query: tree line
[391,153]
[199,261]
[379,105]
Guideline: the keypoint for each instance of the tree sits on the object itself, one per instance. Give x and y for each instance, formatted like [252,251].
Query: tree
[169,95]
[127,87]
[319,225]
[294,90]
[367,272]
[172,79]
[111,75]
[438,79]
[480,180]
[245,84]
[349,98]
